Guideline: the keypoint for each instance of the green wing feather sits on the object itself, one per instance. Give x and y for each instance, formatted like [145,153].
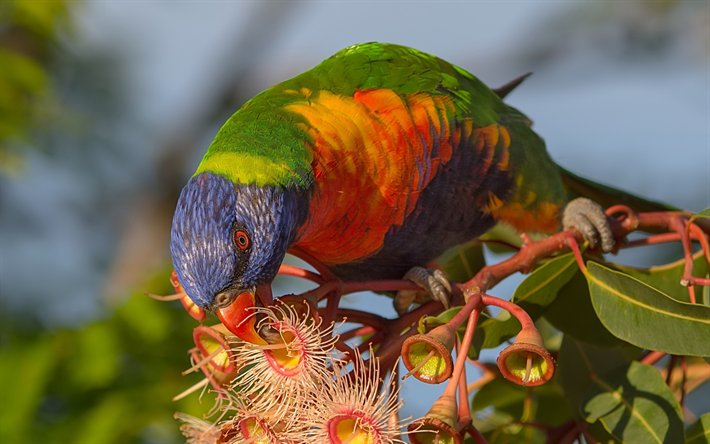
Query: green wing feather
[607,196]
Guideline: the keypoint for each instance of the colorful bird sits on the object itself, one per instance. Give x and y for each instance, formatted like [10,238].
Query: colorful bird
[373,162]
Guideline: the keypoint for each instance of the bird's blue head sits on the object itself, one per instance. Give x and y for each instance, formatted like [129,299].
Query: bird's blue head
[229,238]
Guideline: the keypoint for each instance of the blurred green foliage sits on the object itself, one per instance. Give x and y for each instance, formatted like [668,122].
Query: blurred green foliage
[29,31]
[110,381]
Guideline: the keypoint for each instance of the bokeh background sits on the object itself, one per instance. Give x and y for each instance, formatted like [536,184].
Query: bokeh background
[107,106]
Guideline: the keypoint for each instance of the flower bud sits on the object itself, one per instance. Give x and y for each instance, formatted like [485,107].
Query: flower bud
[527,362]
[428,357]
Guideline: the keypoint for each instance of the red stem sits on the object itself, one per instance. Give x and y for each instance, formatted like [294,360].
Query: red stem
[391,348]
[574,246]
[571,436]
[473,302]
[698,281]
[461,357]
[323,290]
[691,293]
[345,348]
[475,434]
[409,318]
[358,331]
[521,315]
[373,341]
[331,307]
[292,270]
[680,226]
[698,234]
[523,261]
[362,317]
[464,409]
[315,263]
[684,378]
[669,370]
[654,240]
[378,285]
[346,287]
[652,357]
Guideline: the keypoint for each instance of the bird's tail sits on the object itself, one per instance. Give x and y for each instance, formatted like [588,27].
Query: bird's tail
[607,196]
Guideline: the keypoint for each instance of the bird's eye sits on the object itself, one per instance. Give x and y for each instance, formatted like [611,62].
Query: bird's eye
[241,240]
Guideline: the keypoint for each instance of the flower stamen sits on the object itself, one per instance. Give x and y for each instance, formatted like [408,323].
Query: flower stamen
[202,363]
[203,383]
[293,364]
[419,366]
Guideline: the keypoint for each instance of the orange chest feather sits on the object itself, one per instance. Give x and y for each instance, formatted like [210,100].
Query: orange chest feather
[373,154]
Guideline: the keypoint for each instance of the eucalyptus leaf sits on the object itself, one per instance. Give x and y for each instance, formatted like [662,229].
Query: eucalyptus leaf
[462,262]
[578,363]
[635,405]
[541,286]
[572,313]
[428,323]
[599,433]
[545,403]
[534,294]
[699,433]
[500,236]
[641,315]
[704,213]
[666,278]
[517,433]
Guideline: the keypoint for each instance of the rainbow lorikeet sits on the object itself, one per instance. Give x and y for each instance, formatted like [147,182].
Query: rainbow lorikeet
[374,161]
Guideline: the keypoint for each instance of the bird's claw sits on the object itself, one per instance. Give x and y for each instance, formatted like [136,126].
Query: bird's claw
[588,217]
[434,283]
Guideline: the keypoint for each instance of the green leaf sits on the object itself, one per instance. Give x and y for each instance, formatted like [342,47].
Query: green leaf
[517,433]
[501,237]
[26,371]
[42,18]
[699,433]
[635,405]
[645,317]
[95,356]
[533,295]
[599,433]
[147,320]
[572,313]
[545,404]
[666,278]
[578,363]
[428,323]
[104,422]
[541,286]
[704,213]
[462,262]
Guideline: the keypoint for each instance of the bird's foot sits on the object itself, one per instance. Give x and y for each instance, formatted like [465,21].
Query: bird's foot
[433,283]
[588,217]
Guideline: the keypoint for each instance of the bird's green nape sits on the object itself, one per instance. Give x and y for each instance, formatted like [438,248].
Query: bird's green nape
[260,144]
[247,168]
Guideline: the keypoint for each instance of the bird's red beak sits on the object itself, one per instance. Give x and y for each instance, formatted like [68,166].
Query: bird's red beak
[239,318]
